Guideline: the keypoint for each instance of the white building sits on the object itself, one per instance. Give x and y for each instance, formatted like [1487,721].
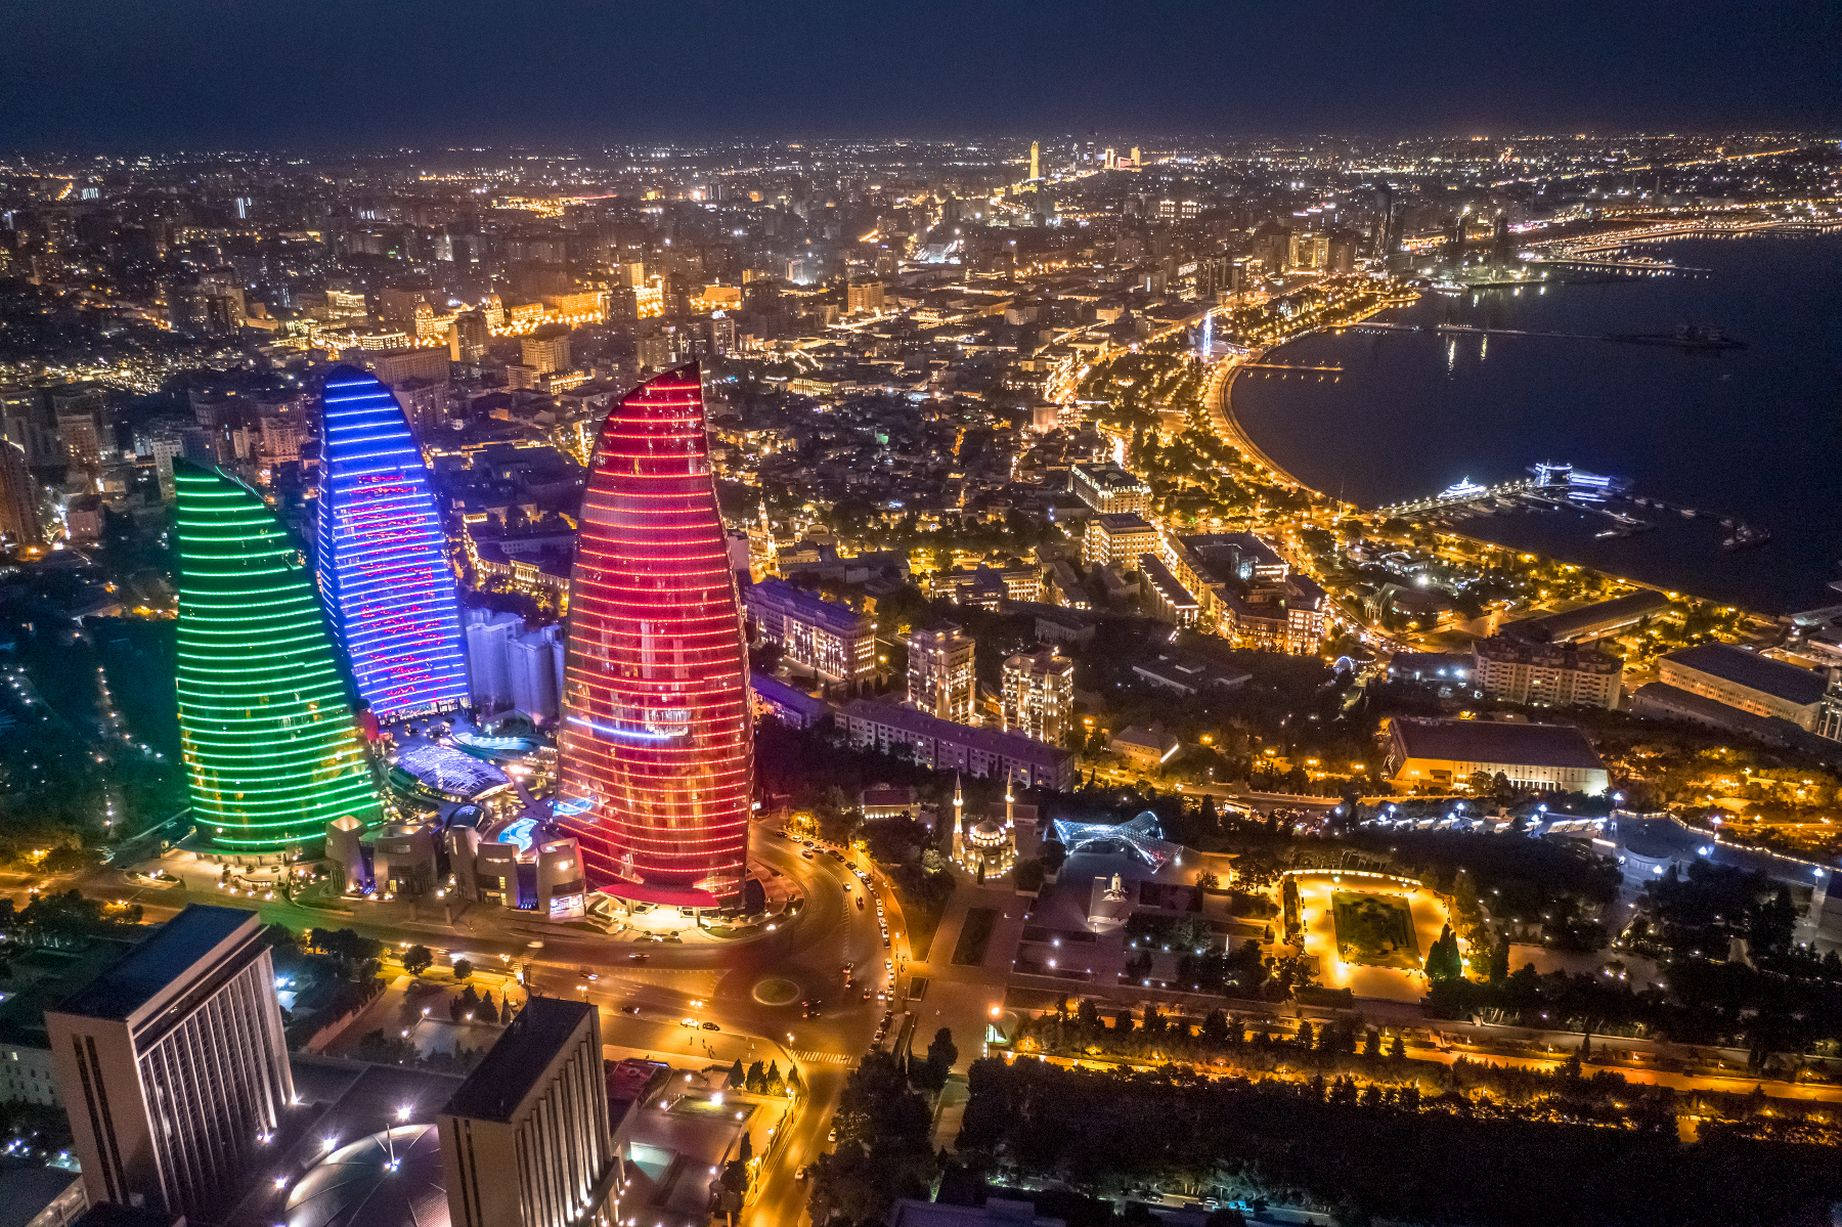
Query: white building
[1039,695]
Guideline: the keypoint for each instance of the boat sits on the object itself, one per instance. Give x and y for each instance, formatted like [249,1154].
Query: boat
[1688,336]
[1745,537]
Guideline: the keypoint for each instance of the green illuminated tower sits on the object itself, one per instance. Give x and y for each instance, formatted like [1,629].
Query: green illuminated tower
[271,748]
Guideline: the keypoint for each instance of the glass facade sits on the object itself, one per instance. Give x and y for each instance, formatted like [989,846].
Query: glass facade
[271,750]
[657,753]
[382,557]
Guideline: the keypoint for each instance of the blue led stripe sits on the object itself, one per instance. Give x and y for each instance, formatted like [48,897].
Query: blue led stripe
[382,559]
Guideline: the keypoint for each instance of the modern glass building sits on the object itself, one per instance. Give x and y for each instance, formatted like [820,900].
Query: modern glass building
[657,753]
[271,748]
[382,557]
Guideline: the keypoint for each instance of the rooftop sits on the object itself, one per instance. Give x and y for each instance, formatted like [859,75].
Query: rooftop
[138,976]
[511,1069]
[1753,671]
[1497,741]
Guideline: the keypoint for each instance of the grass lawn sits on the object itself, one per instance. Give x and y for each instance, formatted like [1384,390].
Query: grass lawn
[1376,930]
[974,935]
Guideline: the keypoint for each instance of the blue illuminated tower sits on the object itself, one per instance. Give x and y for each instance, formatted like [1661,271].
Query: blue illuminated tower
[383,567]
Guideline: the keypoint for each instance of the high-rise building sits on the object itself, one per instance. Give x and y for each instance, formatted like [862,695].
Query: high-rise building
[547,351]
[941,681]
[19,522]
[863,298]
[382,558]
[656,752]
[271,749]
[173,1066]
[1039,695]
[467,337]
[1036,161]
[525,1141]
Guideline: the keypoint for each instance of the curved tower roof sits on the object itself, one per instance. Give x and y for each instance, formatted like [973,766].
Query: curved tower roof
[657,753]
[271,750]
[382,557]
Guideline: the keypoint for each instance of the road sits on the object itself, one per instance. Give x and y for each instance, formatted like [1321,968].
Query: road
[646,990]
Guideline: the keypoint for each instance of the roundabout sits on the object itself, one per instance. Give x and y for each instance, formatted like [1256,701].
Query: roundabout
[775,991]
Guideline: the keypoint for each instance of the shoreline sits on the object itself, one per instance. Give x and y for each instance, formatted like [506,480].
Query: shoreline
[1222,417]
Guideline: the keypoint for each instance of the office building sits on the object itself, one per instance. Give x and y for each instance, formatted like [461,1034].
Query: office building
[270,746]
[526,1140]
[382,560]
[1036,161]
[656,753]
[1039,695]
[834,641]
[1553,675]
[1445,755]
[1119,539]
[1109,489]
[173,1066]
[941,680]
[1748,681]
[945,745]
[399,366]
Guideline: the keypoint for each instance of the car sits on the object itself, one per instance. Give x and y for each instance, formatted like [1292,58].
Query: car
[638,956]
[860,903]
[630,1009]
[710,1026]
[866,992]
[847,888]
[832,1135]
[806,855]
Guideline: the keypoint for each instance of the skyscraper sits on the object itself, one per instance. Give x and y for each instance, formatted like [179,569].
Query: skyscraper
[173,1065]
[1036,161]
[657,755]
[525,1140]
[1039,695]
[271,750]
[383,568]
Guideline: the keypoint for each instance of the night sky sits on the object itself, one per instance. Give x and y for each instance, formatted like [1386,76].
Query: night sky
[165,74]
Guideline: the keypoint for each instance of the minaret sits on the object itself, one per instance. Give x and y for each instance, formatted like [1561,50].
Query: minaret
[1010,800]
[959,817]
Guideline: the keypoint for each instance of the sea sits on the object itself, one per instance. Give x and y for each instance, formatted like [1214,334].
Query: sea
[1750,435]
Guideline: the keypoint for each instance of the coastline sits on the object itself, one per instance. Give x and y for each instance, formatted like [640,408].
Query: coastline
[1220,405]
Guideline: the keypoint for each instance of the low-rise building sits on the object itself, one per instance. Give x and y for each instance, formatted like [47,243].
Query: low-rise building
[946,746]
[1446,754]
[1546,674]
[834,641]
[1109,489]
[1747,680]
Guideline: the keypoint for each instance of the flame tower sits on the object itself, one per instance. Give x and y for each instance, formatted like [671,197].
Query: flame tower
[657,754]
[271,750]
[383,569]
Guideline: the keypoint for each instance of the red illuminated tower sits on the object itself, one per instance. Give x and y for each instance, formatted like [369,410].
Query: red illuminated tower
[657,755]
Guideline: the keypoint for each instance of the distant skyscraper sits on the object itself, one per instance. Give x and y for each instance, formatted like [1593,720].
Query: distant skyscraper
[1036,161]
[383,567]
[657,756]
[173,1066]
[525,1141]
[271,750]
[941,681]
[18,498]
[467,337]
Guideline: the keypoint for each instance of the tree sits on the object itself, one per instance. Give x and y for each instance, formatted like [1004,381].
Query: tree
[1499,961]
[737,1076]
[1443,961]
[931,1074]
[757,1078]
[463,970]
[417,959]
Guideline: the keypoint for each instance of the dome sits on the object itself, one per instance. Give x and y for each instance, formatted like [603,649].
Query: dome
[987,833]
[384,1180]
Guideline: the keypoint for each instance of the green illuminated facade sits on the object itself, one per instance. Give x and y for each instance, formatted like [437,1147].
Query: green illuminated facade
[272,752]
